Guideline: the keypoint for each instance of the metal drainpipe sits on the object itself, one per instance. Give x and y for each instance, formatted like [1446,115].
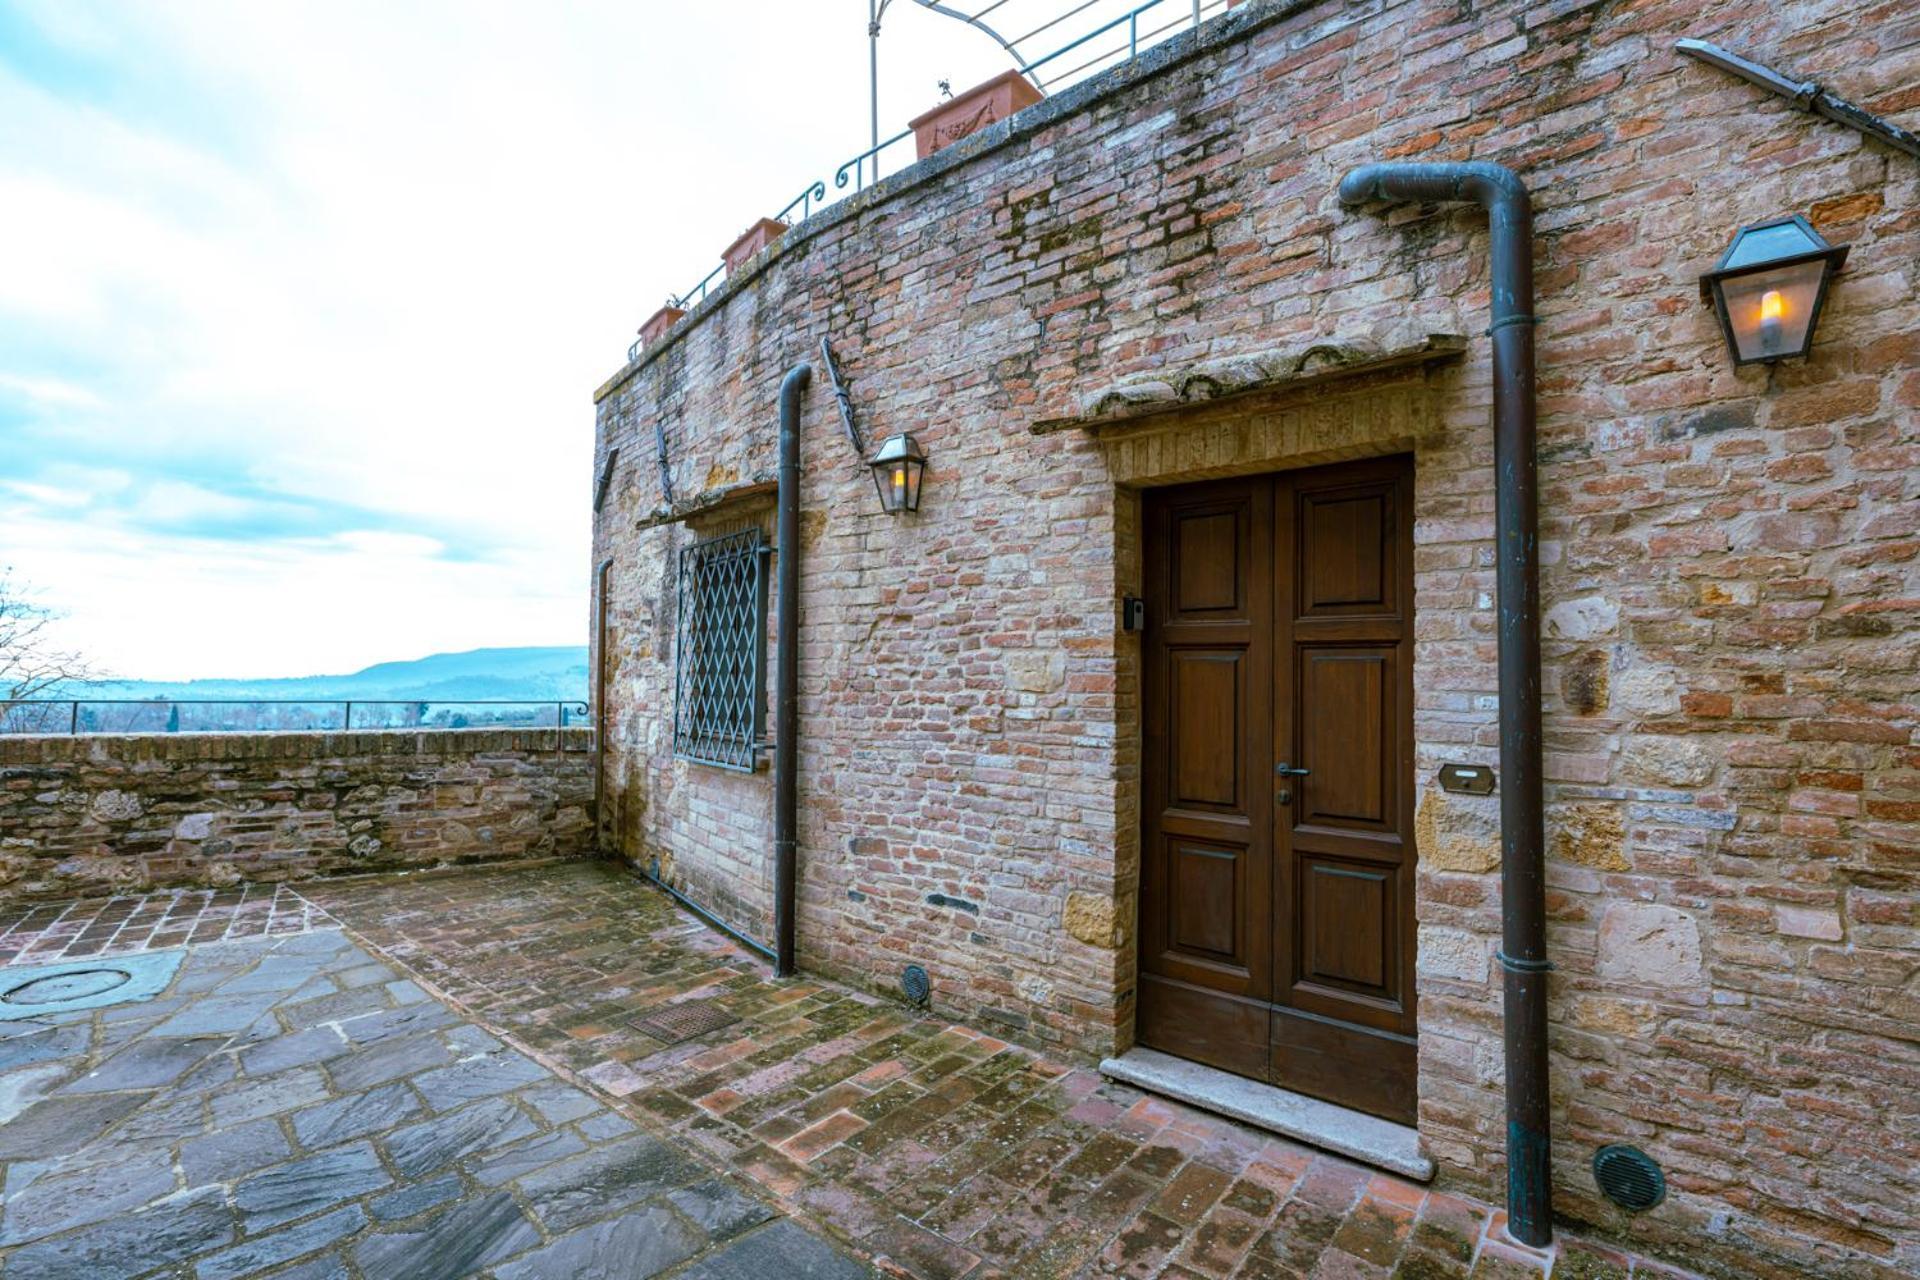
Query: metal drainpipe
[786,671]
[1523,919]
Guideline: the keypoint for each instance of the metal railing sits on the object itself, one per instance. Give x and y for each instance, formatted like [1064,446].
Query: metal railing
[863,170]
[283,715]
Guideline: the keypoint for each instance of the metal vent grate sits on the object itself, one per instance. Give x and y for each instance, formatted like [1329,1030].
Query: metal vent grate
[1629,1177]
[672,1023]
[914,984]
[719,696]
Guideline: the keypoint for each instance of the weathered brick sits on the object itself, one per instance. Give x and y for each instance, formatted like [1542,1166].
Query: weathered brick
[1729,673]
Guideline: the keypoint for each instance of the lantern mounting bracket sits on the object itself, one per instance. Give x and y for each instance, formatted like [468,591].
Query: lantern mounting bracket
[845,400]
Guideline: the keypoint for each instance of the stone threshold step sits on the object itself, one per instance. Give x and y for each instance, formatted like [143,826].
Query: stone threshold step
[1368,1139]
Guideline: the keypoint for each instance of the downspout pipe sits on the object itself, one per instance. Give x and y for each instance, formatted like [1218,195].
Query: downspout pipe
[786,672]
[1523,916]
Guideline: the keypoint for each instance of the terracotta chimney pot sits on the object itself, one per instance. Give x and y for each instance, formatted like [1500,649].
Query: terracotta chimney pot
[752,240]
[658,323]
[972,111]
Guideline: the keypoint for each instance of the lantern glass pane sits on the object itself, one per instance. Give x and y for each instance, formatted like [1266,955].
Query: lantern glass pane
[915,470]
[1770,243]
[1770,313]
[888,479]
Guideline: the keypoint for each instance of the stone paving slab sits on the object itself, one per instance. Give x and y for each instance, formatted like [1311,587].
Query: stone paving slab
[935,1151]
[293,1106]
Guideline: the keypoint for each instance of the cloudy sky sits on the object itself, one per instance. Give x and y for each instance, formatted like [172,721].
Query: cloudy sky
[302,304]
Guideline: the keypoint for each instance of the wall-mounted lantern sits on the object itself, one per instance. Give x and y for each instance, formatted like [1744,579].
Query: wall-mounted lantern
[897,470]
[1770,287]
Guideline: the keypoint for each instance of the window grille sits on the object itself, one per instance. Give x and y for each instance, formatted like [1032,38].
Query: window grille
[719,695]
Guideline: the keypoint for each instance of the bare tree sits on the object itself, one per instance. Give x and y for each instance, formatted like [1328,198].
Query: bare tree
[31,662]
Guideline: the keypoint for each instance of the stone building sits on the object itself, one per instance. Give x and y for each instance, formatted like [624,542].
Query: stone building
[1151,354]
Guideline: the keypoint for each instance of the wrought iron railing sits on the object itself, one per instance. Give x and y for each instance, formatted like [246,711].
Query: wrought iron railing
[288,715]
[1118,41]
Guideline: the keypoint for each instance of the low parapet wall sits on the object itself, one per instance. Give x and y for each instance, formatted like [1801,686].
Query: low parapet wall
[99,814]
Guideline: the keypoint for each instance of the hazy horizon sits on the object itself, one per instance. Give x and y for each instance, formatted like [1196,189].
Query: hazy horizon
[557,650]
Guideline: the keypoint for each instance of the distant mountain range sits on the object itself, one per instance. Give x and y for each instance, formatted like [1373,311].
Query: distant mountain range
[543,673]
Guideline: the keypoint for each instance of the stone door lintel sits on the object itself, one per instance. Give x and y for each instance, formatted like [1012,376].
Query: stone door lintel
[1149,396]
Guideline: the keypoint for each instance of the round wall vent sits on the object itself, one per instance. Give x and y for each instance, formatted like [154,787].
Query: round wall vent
[915,984]
[1629,1177]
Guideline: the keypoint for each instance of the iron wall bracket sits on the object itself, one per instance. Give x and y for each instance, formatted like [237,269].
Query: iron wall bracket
[1805,94]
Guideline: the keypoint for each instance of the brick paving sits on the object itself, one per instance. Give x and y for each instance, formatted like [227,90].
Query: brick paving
[44,932]
[935,1150]
[292,1106]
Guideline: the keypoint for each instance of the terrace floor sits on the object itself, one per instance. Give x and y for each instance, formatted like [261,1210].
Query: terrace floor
[442,1076]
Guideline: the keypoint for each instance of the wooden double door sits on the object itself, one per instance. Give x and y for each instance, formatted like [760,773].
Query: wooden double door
[1277,881]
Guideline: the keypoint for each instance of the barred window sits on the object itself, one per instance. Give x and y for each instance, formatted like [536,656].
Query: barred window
[720,659]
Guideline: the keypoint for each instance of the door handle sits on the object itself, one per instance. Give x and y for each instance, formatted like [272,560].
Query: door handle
[1285,770]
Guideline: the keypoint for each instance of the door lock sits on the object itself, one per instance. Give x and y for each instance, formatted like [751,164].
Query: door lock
[1283,798]
[1286,770]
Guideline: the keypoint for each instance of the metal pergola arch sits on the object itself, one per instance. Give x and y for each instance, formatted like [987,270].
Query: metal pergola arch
[1023,60]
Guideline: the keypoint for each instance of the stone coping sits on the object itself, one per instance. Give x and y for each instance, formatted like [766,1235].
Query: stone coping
[1369,1139]
[1217,32]
[26,749]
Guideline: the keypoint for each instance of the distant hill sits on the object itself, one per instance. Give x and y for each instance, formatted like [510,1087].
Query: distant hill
[545,673]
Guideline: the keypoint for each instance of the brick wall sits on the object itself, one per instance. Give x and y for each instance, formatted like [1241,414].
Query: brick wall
[1732,564]
[123,813]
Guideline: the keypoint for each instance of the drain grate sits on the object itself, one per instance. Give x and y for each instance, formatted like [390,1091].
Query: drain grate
[672,1023]
[40,991]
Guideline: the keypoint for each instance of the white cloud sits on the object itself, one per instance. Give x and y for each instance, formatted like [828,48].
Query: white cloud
[47,495]
[51,392]
[167,607]
[175,502]
[392,545]
[371,259]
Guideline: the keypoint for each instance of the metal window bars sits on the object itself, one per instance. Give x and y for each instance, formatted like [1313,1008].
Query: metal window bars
[1100,43]
[719,675]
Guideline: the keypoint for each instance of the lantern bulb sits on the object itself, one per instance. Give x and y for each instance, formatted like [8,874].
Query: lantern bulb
[1773,307]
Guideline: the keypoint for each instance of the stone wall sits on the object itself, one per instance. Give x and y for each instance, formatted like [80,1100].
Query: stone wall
[1731,566]
[100,814]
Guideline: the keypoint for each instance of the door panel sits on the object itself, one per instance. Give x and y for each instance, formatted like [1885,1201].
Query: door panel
[1356,1067]
[1343,942]
[1276,917]
[1205,891]
[1346,557]
[1206,961]
[1206,566]
[1206,728]
[1346,712]
[1343,915]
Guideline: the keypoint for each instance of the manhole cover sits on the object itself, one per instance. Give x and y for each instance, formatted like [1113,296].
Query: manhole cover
[672,1023]
[32,993]
[62,987]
